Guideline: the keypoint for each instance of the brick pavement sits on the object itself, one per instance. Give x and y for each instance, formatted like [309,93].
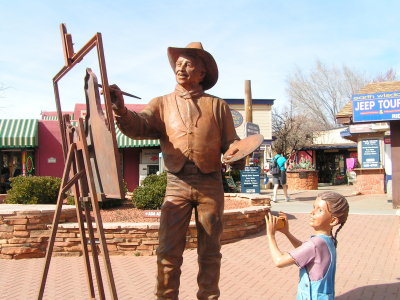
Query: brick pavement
[368,268]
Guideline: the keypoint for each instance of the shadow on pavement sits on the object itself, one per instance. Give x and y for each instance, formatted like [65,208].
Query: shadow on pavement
[379,291]
[311,198]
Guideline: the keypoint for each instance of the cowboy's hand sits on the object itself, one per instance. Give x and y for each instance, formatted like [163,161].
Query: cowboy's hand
[271,221]
[239,164]
[229,154]
[117,100]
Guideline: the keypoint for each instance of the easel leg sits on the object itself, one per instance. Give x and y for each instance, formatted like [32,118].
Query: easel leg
[95,254]
[96,211]
[56,219]
[81,223]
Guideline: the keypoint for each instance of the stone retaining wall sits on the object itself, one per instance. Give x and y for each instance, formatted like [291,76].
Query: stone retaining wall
[24,232]
[370,181]
[24,229]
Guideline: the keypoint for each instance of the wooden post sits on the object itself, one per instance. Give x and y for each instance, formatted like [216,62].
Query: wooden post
[248,107]
[248,101]
[395,153]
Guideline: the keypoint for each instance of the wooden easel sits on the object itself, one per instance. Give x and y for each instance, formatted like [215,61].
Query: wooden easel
[79,169]
[84,170]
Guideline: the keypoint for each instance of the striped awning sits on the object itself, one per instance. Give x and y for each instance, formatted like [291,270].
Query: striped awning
[18,133]
[125,142]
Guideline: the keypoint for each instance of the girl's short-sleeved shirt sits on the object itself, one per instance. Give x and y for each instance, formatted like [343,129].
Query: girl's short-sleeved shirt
[314,255]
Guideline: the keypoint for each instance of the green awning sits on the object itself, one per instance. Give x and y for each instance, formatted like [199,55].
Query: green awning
[125,142]
[18,133]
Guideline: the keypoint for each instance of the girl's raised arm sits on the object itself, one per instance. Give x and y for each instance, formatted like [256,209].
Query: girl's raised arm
[281,259]
[285,230]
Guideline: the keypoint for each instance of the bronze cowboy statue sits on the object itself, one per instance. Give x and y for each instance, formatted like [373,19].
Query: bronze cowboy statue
[194,129]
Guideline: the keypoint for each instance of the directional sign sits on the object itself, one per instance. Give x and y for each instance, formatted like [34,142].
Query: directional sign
[251,128]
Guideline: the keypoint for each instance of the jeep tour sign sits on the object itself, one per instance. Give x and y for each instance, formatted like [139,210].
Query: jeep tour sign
[376,107]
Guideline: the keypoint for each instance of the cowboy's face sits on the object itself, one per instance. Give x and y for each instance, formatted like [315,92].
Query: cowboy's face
[189,71]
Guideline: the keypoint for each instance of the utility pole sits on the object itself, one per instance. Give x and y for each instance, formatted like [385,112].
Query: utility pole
[248,108]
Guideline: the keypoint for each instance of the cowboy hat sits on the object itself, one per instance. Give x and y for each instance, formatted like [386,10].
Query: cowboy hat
[196,49]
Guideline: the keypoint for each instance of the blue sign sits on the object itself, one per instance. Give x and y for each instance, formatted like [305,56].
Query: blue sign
[237,118]
[250,180]
[251,128]
[376,107]
[370,154]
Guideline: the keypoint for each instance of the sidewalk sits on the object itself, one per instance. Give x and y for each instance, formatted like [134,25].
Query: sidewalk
[368,262]
[302,201]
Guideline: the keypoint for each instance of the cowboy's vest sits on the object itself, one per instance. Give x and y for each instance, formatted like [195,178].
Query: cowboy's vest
[202,143]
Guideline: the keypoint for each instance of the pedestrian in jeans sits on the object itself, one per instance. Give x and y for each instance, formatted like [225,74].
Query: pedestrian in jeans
[280,179]
[317,256]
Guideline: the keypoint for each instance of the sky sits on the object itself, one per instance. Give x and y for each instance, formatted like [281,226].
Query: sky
[262,41]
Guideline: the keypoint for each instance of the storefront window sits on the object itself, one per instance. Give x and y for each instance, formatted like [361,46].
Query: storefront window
[15,163]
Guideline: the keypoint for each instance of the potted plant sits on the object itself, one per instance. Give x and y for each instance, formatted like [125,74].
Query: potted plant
[302,175]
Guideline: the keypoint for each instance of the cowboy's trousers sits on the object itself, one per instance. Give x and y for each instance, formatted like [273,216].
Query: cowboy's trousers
[186,190]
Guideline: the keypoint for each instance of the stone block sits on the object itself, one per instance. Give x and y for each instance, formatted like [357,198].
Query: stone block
[19,250]
[65,235]
[30,255]
[75,248]
[20,227]
[40,233]
[21,233]
[67,254]
[112,247]
[18,221]
[6,235]
[6,228]
[129,245]
[17,241]
[36,226]
[150,242]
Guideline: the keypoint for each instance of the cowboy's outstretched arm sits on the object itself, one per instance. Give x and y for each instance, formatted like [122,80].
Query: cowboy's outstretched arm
[132,124]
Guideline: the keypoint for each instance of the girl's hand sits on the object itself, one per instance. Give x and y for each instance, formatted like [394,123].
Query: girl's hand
[270,222]
[285,229]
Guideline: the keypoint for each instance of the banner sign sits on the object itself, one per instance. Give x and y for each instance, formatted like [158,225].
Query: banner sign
[376,107]
[370,154]
[250,180]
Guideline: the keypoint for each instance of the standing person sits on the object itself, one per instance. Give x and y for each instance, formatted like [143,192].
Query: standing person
[280,179]
[317,256]
[194,129]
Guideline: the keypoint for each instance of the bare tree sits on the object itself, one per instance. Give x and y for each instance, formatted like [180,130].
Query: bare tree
[389,75]
[323,92]
[291,131]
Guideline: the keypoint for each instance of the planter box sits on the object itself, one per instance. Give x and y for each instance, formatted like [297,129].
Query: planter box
[302,180]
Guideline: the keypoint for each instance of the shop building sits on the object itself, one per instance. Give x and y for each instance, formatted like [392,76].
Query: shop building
[18,141]
[371,116]
[331,155]
[35,145]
